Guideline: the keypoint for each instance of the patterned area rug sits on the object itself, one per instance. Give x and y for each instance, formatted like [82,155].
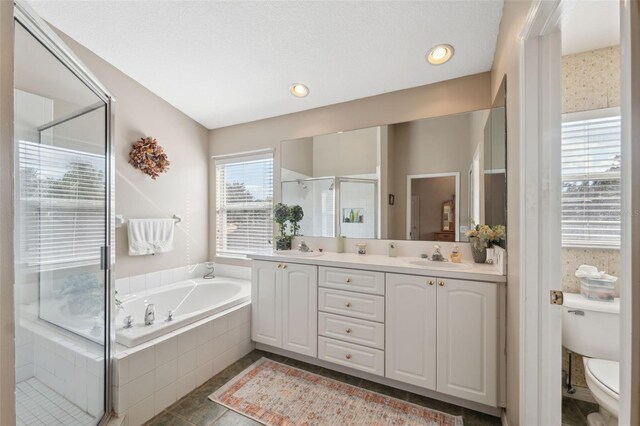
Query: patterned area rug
[276,394]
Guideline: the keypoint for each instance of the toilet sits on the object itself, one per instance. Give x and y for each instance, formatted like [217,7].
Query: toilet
[592,329]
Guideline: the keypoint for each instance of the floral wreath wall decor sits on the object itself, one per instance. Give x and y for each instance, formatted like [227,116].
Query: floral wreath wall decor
[149,157]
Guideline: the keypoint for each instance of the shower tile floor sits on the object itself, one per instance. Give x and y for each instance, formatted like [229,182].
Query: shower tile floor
[37,404]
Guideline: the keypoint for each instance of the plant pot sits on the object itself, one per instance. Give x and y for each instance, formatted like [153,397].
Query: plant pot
[478,250]
[283,244]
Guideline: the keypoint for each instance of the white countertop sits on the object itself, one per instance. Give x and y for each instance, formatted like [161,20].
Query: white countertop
[382,263]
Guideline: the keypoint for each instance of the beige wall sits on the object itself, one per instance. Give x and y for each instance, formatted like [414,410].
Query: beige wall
[459,95]
[506,63]
[7,323]
[298,156]
[346,154]
[183,190]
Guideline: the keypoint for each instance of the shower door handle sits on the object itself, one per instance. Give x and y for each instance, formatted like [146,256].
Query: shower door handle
[105,257]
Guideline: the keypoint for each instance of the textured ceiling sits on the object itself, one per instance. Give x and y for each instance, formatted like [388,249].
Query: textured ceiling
[224,63]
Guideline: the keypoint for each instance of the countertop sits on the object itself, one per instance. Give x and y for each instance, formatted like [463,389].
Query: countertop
[382,263]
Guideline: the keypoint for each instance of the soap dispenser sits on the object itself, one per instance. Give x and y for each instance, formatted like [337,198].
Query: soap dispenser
[455,256]
[393,249]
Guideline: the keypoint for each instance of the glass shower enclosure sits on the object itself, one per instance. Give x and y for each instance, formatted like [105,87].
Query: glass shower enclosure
[63,232]
[335,205]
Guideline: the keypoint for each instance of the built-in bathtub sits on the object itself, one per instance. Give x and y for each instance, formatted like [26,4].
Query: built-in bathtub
[189,301]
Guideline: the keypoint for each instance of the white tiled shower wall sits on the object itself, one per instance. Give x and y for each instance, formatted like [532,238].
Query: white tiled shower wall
[152,376]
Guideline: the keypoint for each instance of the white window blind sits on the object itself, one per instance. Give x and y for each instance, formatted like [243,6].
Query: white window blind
[244,204]
[62,206]
[591,205]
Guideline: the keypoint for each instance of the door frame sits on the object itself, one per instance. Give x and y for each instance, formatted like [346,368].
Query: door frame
[540,180]
[433,175]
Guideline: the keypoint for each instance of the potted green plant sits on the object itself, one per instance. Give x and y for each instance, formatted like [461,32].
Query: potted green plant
[483,236]
[286,217]
[281,213]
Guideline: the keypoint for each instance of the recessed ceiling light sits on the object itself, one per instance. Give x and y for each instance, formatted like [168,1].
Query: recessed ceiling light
[440,54]
[299,90]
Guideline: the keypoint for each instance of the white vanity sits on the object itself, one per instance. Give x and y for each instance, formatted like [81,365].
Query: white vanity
[430,330]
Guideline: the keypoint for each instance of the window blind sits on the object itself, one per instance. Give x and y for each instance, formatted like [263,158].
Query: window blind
[62,206]
[591,206]
[244,204]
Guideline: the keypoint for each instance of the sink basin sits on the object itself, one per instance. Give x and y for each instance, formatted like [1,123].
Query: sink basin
[298,253]
[439,265]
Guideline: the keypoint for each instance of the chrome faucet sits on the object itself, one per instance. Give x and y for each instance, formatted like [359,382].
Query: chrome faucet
[149,314]
[128,321]
[303,247]
[209,275]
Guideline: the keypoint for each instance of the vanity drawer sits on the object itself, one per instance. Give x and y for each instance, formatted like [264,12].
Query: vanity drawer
[350,355]
[351,304]
[351,330]
[352,280]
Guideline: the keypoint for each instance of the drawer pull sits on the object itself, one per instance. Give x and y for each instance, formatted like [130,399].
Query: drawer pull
[348,356]
[441,283]
[348,304]
[348,280]
[430,282]
[348,330]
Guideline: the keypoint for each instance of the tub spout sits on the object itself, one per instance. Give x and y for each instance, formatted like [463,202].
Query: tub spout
[149,314]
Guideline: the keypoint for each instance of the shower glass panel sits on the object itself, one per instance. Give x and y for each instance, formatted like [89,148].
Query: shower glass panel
[316,196]
[358,212]
[60,232]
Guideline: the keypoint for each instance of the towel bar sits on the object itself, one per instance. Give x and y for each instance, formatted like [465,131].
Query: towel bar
[120,220]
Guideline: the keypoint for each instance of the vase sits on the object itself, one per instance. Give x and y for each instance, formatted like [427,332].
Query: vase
[478,250]
[283,243]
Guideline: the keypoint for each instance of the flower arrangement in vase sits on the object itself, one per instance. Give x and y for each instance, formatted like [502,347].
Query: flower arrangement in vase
[283,214]
[482,237]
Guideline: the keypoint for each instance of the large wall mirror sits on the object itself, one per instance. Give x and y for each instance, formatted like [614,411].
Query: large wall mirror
[427,179]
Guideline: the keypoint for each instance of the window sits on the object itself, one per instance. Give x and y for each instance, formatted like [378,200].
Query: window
[244,204]
[62,206]
[591,206]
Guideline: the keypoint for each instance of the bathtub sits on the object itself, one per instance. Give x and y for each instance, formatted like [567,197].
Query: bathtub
[189,300]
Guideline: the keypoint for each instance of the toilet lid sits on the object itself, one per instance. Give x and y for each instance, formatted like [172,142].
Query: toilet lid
[606,372]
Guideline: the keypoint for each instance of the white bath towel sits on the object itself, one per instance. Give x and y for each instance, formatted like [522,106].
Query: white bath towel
[150,236]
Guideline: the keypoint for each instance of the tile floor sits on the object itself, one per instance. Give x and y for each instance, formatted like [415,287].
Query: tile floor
[574,411]
[37,404]
[195,409]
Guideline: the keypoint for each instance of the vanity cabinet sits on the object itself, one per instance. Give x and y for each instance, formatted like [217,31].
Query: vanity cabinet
[467,343]
[284,306]
[411,329]
[442,334]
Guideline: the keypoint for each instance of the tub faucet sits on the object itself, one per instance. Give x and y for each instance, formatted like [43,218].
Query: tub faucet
[149,314]
[209,275]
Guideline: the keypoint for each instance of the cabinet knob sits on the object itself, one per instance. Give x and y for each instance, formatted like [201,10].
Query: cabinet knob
[348,304]
[348,330]
[430,282]
[279,265]
[348,356]
[348,280]
[441,283]
[284,266]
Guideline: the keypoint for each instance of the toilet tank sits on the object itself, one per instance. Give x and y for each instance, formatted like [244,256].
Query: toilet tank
[590,327]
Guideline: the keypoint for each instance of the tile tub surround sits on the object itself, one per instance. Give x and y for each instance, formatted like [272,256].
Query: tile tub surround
[137,283]
[150,377]
[196,408]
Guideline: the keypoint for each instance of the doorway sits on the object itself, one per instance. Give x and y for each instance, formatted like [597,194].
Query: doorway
[433,207]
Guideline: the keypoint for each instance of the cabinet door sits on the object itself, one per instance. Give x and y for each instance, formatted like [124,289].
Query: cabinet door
[468,340]
[300,308]
[266,303]
[411,330]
